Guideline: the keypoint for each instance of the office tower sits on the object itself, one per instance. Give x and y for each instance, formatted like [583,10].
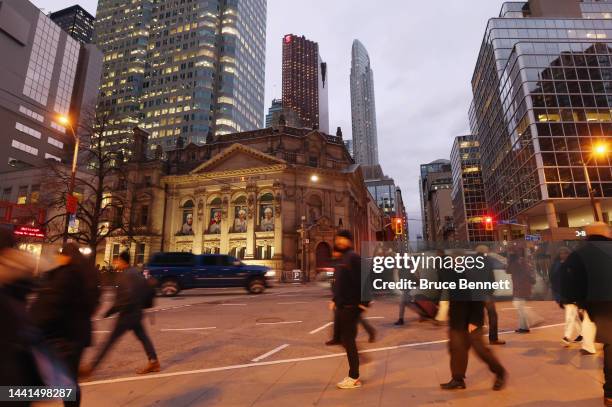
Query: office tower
[363,106]
[181,70]
[540,110]
[305,82]
[470,212]
[76,21]
[435,185]
[349,147]
[275,109]
[49,74]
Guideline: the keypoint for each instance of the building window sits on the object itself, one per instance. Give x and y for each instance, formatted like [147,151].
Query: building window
[187,221]
[53,157]
[264,252]
[214,224]
[31,113]
[140,253]
[116,251]
[35,194]
[144,215]
[22,195]
[24,147]
[55,142]
[238,252]
[6,194]
[266,213]
[240,212]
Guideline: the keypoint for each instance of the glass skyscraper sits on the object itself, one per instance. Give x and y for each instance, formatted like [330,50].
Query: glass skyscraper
[542,92]
[469,203]
[181,69]
[363,107]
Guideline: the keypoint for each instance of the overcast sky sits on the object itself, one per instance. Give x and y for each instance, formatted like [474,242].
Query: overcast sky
[422,53]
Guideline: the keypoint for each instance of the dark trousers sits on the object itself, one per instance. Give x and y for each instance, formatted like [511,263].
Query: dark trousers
[364,323]
[70,354]
[460,342]
[121,328]
[492,314]
[347,319]
[608,370]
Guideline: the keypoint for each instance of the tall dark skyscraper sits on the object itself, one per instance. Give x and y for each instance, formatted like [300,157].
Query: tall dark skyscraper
[541,88]
[181,68]
[469,203]
[435,186]
[363,107]
[305,82]
[76,21]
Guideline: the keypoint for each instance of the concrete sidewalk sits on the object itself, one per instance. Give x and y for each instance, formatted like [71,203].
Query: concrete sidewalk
[541,373]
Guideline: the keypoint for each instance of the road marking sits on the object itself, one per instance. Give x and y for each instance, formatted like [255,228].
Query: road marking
[274,362]
[187,329]
[509,309]
[232,304]
[292,303]
[272,352]
[276,323]
[374,318]
[100,332]
[288,295]
[314,331]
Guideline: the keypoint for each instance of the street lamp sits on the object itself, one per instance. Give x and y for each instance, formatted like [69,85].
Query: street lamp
[65,121]
[314,177]
[600,150]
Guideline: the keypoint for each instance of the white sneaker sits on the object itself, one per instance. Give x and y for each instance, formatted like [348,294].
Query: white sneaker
[349,383]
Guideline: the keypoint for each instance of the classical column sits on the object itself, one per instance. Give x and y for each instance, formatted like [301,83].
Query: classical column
[198,219]
[171,226]
[597,205]
[251,191]
[278,224]
[225,222]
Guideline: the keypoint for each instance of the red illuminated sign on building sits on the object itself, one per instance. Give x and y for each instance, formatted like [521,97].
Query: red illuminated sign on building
[29,231]
[287,39]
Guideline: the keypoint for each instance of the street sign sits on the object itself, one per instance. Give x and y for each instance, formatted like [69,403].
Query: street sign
[533,238]
[71,204]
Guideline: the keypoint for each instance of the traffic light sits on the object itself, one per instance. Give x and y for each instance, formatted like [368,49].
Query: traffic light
[488,221]
[399,226]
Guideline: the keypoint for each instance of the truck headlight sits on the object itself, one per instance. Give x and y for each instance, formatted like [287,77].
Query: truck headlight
[270,273]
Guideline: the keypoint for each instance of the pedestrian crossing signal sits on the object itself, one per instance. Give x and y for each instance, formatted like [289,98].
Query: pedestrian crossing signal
[399,226]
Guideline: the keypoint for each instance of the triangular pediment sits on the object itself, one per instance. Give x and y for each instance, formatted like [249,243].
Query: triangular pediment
[237,157]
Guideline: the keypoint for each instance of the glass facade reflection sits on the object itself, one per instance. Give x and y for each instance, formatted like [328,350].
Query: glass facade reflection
[542,92]
[469,203]
[181,69]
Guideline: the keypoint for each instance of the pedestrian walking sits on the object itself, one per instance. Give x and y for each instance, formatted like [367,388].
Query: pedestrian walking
[523,279]
[370,330]
[483,251]
[18,333]
[133,294]
[573,323]
[466,320]
[63,309]
[588,282]
[347,304]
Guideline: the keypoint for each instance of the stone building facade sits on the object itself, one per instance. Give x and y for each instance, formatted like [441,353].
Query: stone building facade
[274,196]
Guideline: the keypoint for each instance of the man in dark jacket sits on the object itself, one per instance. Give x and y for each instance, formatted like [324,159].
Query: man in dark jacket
[466,319]
[347,303]
[587,281]
[64,307]
[131,295]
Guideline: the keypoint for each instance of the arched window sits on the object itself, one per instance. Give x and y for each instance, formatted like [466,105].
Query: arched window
[266,213]
[187,222]
[239,224]
[215,216]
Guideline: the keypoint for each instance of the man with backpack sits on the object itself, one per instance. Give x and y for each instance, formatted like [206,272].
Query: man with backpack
[133,295]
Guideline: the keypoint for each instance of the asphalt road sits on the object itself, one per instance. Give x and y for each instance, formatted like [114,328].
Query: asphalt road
[208,329]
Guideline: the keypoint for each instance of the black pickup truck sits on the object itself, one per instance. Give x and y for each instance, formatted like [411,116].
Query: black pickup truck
[180,271]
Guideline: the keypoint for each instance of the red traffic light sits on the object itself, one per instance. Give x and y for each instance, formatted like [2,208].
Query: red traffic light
[488,219]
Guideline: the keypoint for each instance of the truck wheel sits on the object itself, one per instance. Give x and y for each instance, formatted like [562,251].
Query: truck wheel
[256,286]
[170,288]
